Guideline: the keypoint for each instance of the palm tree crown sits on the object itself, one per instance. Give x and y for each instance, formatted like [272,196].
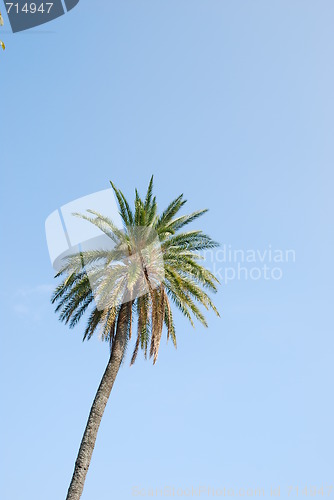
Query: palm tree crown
[146,281]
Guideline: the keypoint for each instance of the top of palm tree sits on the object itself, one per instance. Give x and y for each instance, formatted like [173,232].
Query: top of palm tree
[152,264]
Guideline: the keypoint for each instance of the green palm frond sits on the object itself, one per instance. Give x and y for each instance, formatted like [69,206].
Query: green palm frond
[168,214]
[2,45]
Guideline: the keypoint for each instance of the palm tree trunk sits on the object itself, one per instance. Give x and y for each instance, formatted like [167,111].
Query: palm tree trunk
[100,402]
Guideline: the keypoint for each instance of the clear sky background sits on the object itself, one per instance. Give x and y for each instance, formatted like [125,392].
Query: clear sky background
[231,103]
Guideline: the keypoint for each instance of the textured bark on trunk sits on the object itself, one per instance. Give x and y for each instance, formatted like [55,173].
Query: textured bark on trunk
[100,402]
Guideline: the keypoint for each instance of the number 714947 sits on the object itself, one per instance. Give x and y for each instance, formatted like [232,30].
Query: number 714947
[30,8]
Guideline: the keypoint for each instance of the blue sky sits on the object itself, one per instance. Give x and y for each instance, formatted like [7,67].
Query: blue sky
[232,104]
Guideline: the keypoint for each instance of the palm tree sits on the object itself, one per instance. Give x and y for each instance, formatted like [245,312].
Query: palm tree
[127,283]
